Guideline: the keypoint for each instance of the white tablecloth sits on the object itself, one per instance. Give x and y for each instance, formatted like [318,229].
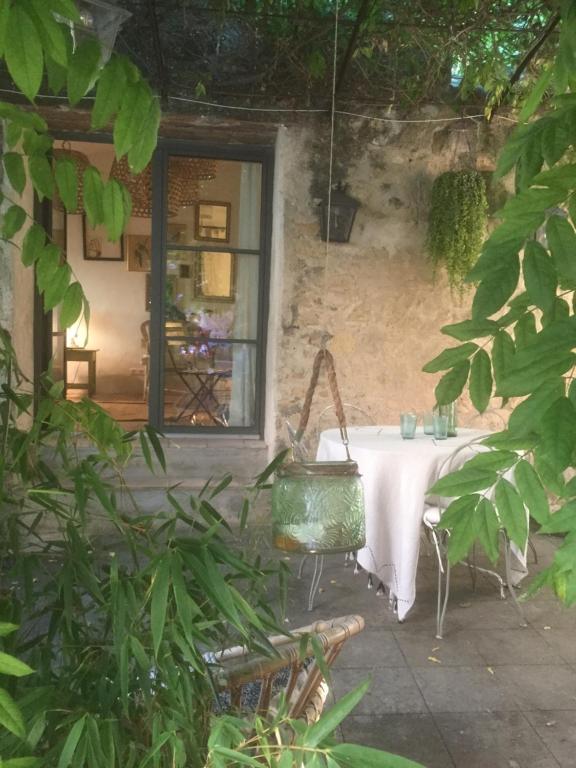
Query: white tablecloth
[396,474]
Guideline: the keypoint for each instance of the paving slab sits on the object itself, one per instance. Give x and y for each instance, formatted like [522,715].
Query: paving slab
[557,730]
[465,689]
[493,740]
[393,691]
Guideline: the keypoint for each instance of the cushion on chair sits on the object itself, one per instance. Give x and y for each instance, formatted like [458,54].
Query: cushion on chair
[432,516]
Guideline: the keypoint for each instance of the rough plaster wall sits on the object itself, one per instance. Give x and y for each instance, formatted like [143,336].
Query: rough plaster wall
[375,297]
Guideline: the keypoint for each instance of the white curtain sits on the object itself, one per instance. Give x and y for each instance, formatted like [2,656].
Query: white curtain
[246,309]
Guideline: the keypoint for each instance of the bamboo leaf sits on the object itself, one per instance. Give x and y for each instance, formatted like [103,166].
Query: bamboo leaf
[331,719]
[359,756]
[10,715]
[23,51]
[71,743]
[159,601]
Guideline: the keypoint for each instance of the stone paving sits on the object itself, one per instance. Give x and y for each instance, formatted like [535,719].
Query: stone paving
[491,694]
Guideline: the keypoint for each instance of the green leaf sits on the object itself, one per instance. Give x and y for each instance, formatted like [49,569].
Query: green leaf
[495,290]
[41,175]
[4,14]
[23,51]
[526,377]
[47,265]
[109,92]
[558,429]
[33,244]
[159,601]
[135,109]
[153,436]
[11,666]
[492,460]
[83,69]
[532,491]
[51,32]
[471,329]
[488,527]
[14,165]
[238,758]
[10,716]
[481,380]
[21,762]
[141,151]
[359,756]
[14,219]
[93,191]
[535,95]
[495,257]
[332,718]
[6,628]
[71,305]
[525,332]
[67,183]
[56,289]
[113,209]
[512,512]
[503,351]
[539,276]
[461,520]
[561,521]
[464,482]
[452,383]
[562,242]
[71,743]
[448,358]
[527,415]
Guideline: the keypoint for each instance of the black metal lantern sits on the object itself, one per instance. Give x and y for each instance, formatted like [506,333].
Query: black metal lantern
[342,213]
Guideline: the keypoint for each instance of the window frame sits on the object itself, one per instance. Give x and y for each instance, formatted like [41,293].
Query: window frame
[241,153]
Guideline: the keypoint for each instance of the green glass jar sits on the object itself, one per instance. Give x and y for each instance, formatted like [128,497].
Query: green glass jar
[448,410]
[318,507]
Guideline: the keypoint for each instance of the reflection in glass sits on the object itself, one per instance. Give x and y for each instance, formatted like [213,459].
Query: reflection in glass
[204,386]
[224,207]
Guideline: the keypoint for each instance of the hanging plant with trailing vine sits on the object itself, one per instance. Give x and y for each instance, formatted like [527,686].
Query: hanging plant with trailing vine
[457,223]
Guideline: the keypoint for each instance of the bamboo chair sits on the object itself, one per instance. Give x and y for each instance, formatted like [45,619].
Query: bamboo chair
[242,676]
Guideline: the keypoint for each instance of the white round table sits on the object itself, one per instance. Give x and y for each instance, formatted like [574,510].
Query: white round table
[396,475]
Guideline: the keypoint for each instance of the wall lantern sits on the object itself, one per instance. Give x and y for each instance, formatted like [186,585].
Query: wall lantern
[101,20]
[342,214]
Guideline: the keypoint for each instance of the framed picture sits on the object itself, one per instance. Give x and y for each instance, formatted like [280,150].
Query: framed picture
[59,229]
[212,221]
[216,276]
[97,247]
[138,252]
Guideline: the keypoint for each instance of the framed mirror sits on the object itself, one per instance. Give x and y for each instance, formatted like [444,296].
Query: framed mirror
[216,275]
[212,221]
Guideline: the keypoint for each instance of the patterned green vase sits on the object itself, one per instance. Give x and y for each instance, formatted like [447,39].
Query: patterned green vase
[318,507]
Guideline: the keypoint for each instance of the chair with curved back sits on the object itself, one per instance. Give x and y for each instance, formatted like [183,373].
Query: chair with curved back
[253,681]
[145,357]
[434,509]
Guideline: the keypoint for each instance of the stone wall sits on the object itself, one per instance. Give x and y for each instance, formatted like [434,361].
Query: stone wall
[375,298]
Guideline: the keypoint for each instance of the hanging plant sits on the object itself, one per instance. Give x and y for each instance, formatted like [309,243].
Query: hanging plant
[457,223]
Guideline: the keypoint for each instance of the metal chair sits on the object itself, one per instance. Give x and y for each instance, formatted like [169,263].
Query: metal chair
[434,509]
[252,681]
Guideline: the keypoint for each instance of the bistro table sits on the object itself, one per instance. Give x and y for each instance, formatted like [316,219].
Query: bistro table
[396,475]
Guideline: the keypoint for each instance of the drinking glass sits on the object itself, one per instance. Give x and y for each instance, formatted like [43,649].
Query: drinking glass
[428,423]
[440,427]
[407,425]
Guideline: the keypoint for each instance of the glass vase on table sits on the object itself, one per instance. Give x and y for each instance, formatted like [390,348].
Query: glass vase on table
[448,410]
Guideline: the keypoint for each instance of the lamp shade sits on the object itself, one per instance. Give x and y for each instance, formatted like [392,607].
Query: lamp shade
[336,223]
[101,20]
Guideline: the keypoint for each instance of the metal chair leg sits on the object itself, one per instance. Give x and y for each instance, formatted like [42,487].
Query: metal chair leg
[317,575]
[443,594]
[302,564]
[508,567]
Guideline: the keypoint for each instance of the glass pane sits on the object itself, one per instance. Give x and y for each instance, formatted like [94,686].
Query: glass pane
[207,382]
[214,293]
[214,202]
